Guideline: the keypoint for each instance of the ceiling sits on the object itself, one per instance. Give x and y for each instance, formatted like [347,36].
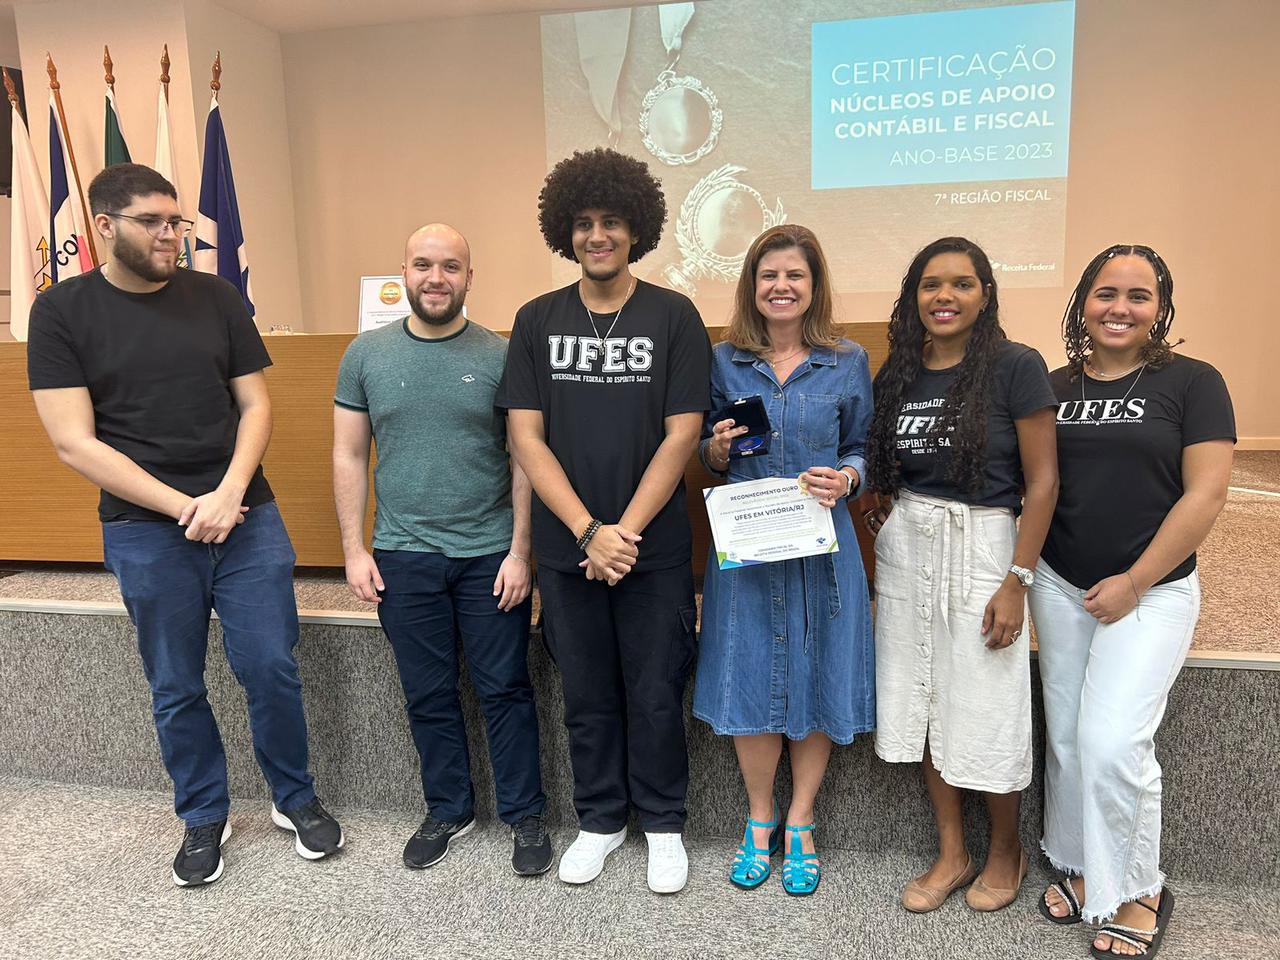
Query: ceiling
[298,16]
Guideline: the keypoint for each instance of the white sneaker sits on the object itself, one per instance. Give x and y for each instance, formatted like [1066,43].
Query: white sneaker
[584,859]
[668,863]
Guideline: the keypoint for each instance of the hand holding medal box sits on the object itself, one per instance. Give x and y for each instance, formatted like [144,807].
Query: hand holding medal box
[763,521]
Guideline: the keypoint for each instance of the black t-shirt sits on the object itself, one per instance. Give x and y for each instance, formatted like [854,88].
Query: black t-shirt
[1020,388]
[603,402]
[158,368]
[1120,462]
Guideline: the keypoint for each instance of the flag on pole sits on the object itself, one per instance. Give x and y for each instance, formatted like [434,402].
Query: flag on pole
[68,232]
[167,158]
[29,268]
[219,237]
[117,151]
[70,243]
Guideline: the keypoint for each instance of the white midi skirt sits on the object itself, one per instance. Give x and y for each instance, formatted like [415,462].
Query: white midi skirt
[938,563]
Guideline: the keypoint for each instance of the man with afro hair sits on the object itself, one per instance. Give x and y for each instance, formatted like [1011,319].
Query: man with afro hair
[606,384]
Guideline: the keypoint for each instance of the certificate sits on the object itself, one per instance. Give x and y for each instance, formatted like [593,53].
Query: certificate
[762,521]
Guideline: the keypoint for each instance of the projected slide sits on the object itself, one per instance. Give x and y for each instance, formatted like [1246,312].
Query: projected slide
[881,125]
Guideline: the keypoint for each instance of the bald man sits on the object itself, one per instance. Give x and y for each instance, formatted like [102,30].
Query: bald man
[450,543]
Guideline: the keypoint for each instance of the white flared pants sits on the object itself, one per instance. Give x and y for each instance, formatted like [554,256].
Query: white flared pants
[1105,690]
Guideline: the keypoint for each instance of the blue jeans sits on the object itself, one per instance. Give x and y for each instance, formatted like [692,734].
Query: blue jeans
[429,600]
[169,585]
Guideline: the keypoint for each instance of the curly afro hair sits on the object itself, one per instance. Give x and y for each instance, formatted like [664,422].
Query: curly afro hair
[601,179]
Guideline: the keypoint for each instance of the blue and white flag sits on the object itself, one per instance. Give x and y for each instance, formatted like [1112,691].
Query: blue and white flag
[219,237]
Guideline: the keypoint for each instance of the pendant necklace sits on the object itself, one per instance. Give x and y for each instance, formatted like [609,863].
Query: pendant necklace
[592,320]
[1141,370]
[795,353]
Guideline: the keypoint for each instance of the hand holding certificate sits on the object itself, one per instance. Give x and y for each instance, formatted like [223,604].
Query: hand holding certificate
[762,521]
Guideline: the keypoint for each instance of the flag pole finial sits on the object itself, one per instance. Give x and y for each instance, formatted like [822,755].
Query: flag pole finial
[107,66]
[164,66]
[10,89]
[216,83]
[53,72]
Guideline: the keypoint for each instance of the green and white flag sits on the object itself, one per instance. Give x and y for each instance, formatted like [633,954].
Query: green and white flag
[117,151]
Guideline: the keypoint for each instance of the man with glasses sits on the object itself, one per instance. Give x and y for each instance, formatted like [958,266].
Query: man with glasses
[149,381]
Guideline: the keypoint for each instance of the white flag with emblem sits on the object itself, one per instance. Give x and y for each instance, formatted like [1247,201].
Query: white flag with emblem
[29,231]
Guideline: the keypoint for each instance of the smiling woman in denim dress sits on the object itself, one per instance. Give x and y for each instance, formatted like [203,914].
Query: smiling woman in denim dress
[787,647]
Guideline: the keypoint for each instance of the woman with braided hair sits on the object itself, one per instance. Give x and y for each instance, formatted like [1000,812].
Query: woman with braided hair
[1145,439]
[961,444]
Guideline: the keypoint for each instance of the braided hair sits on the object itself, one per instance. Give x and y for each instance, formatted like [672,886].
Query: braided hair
[968,397]
[1157,351]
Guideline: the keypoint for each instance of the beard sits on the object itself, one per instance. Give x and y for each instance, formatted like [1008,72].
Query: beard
[600,274]
[139,262]
[442,316]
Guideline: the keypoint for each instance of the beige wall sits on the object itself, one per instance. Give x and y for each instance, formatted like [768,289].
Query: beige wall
[392,127]
[1175,129]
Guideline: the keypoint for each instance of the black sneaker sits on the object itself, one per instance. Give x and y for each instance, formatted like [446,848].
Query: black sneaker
[531,853]
[199,859]
[430,843]
[317,834]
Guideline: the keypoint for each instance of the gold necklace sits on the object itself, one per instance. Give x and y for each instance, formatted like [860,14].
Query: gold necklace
[795,353]
[1111,376]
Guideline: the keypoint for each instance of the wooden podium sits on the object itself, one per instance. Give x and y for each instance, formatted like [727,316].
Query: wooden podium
[49,513]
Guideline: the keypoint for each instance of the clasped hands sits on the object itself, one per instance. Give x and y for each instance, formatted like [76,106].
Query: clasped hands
[611,553]
[210,517]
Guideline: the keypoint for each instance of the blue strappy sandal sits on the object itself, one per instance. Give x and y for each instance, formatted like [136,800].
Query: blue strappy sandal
[749,870]
[801,872]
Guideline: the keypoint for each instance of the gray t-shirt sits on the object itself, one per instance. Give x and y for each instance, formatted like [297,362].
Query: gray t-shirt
[443,479]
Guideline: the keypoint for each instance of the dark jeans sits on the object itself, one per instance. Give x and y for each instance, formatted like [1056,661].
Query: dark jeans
[169,585]
[624,654]
[429,600]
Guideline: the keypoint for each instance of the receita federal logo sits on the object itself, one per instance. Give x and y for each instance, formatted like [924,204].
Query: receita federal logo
[1023,267]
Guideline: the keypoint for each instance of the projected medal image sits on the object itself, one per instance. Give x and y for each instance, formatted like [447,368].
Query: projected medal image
[717,222]
[881,123]
[679,119]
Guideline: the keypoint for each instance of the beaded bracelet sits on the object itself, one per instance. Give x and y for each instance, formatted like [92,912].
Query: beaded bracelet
[587,534]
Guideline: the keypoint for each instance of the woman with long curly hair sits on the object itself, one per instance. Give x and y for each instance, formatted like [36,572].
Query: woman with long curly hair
[962,442]
[1145,439]
[786,647]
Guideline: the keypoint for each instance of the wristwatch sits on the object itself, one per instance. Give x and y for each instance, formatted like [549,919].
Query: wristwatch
[1025,577]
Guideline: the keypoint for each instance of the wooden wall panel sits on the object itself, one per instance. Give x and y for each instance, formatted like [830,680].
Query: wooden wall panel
[49,513]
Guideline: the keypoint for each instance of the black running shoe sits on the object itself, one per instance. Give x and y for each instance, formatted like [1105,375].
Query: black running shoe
[430,843]
[199,859]
[531,852]
[317,833]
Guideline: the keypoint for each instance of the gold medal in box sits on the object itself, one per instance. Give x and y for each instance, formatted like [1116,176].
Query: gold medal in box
[680,119]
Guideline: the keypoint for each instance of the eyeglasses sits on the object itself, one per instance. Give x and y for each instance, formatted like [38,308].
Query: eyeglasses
[155,225]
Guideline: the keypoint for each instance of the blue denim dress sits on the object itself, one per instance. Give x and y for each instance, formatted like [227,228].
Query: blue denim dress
[787,647]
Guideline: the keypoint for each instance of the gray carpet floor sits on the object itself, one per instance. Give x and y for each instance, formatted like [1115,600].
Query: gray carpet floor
[84,873]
